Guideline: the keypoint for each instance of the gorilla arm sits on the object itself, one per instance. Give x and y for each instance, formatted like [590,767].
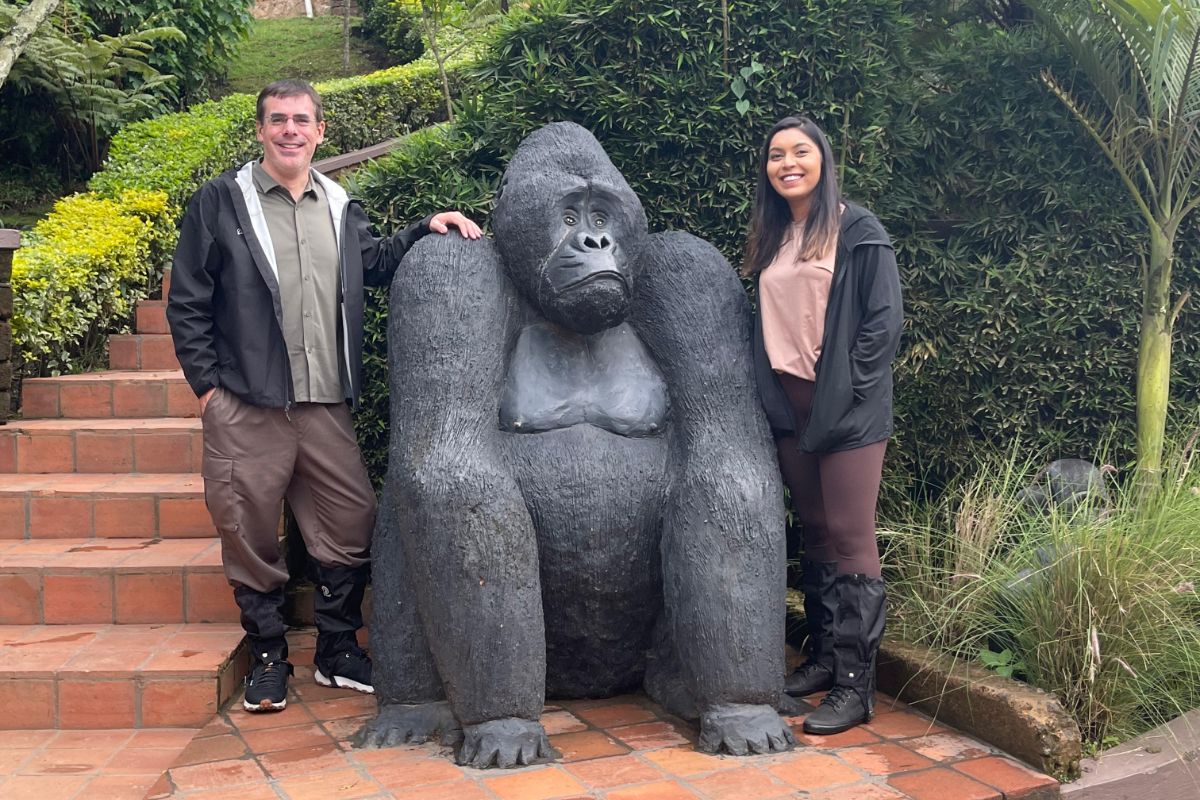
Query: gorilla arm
[723,552]
[464,526]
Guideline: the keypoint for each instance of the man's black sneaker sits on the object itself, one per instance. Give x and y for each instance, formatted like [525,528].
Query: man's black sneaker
[839,711]
[266,686]
[348,669]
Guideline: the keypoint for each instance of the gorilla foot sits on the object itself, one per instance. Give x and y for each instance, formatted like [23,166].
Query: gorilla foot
[400,723]
[742,730]
[505,743]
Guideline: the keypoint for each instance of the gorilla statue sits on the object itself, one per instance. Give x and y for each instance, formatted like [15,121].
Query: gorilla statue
[582,496]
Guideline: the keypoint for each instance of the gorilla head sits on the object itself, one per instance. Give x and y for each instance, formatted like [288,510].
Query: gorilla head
[569,229]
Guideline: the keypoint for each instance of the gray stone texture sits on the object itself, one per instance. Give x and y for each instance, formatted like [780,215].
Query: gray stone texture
[1162,764]
[622,538]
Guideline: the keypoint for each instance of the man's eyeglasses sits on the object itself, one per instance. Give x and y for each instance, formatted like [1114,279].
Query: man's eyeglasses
[299,120]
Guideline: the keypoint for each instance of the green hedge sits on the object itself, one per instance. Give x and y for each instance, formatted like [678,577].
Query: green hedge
[177,152]
[170,156]
[80,271]
[1018,248]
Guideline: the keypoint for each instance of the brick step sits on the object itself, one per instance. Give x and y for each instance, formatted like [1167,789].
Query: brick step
[117,676]
[76,506]
[152,316]
[154,445]
[114,393]
[125,581]
[142,351]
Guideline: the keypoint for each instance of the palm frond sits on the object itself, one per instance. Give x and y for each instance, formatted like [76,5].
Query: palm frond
[1114,141]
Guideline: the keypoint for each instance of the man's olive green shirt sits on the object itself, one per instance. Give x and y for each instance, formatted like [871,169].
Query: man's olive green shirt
[306,262]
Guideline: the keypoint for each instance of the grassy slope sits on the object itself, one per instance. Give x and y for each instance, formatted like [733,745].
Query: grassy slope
[310,49]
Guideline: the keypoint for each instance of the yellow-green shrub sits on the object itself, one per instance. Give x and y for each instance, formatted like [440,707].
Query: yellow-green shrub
[80,272]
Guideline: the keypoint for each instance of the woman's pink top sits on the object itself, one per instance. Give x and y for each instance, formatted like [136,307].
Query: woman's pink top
[792,296]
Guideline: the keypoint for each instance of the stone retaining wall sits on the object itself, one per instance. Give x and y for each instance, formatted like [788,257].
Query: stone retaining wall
[285,9]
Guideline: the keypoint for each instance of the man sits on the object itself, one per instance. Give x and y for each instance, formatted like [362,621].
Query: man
[266,311]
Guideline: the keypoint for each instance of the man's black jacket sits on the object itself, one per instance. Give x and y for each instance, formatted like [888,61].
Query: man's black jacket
[224,307]
[852,401]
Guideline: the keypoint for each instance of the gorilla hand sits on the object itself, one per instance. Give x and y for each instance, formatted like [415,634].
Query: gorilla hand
[508,742]
[412,724]
[744,729]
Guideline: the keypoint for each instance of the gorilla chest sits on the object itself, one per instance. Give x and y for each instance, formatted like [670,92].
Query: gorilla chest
[557,379]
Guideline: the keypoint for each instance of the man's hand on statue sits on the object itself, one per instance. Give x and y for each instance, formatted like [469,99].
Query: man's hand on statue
[441,223]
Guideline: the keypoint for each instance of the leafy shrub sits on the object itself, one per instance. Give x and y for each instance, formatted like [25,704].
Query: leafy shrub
[363,111]
[394,25]
[23,188]
[175,153]
[73,88]
[80,272]
[1020,264]
[212,30]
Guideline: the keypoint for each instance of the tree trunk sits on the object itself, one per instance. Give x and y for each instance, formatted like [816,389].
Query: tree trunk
[1154,360]
[346,36]
[26,24]
[431,31]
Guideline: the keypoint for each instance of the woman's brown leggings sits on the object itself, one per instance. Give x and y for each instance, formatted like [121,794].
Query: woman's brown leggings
[833,494]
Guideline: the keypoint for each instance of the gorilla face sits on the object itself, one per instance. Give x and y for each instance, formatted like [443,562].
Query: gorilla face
[569,229]
[586,284]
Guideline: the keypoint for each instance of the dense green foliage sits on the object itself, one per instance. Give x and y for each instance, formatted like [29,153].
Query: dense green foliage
[393,24]
[174,153]
[73,87]
[22,189]
[1019,257]
[170,156]
[212,31]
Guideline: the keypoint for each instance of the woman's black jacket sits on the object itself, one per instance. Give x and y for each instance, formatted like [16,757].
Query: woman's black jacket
[852,402]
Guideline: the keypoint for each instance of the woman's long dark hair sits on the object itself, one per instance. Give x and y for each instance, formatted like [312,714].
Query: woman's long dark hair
[772,215]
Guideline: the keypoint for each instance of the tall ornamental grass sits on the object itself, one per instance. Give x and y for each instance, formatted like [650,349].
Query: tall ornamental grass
[1096,605]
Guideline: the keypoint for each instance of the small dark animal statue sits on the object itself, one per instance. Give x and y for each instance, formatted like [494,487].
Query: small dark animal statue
[582,498]
[1067,484]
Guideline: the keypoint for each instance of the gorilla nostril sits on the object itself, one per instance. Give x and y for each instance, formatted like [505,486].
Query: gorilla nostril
[589,242]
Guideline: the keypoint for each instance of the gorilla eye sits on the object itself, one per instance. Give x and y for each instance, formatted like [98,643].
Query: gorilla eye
[600,222]
[570,218]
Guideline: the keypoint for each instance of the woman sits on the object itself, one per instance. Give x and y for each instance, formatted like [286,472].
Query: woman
[827,331]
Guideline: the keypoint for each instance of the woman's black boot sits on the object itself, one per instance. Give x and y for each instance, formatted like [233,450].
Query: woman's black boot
[820,604]
[856,634]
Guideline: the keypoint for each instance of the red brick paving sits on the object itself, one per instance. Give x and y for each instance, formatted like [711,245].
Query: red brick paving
[82,765]
[624,748]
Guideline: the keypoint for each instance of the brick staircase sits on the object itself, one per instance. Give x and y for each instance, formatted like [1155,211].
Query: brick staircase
[114,612]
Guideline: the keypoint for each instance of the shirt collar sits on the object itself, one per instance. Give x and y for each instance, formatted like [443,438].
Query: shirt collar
[265,183]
